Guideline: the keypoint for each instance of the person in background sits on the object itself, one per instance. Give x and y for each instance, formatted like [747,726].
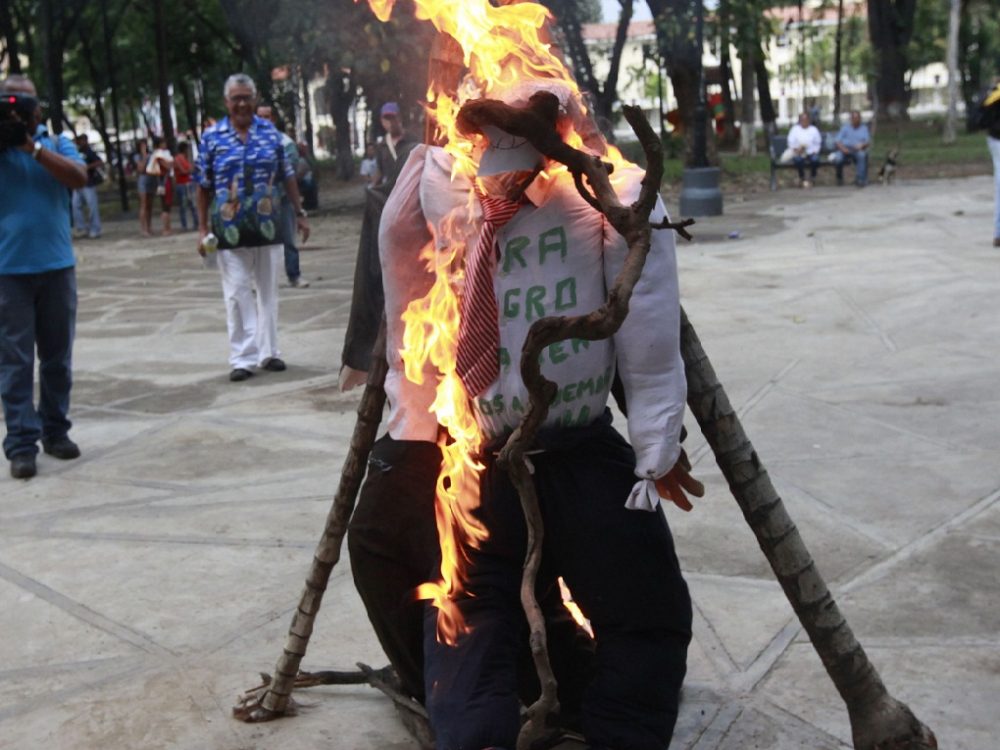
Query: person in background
[184,187]
[368,164]
[988,119]
[852,144]
[37,281]
[146,186]
[162,164]
[287,218]
[239,162]
[804,141]
[89,226]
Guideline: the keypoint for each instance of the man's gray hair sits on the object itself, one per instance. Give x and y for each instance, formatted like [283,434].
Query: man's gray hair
[239,79]
[15,78]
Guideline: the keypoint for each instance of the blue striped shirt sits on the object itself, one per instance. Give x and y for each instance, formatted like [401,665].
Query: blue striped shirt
[245,179]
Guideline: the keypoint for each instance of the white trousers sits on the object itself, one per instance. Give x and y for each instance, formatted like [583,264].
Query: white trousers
[252,322]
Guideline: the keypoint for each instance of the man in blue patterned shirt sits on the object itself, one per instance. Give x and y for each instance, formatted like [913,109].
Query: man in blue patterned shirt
[37,279]
[241,166]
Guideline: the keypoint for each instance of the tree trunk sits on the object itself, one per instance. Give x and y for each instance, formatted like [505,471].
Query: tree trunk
[341,88]
[748,131]
[951,121]
[890,26]
[837,61]
[163,82]
[53,44]
[122,187]
[726,71]
[675,23]
[98,85]
[307,110]
[190,111]
[608,95]
[878,721]
[768,117]
[9,35]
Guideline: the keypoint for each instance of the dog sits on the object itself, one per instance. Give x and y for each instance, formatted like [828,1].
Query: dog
[887,172]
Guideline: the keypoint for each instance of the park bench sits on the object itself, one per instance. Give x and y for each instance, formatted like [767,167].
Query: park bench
[779,143]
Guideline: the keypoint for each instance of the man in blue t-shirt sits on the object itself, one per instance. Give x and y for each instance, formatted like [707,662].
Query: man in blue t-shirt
[37,278]
[852,144]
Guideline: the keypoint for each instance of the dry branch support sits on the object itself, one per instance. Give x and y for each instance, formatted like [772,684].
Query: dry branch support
[275,700]
[878,721]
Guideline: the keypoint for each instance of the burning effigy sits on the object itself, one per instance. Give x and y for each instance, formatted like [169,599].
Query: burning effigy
[526,267]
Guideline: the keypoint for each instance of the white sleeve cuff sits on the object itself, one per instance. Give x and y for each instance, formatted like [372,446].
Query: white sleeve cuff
[643,496]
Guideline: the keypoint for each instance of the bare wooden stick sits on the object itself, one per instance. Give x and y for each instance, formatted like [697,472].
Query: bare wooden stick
[878,721]
[274,701]
[537,124]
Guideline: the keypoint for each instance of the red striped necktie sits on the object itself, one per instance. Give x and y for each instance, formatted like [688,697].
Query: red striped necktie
[477,358]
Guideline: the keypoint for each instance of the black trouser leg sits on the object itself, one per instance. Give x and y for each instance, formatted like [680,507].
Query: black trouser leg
[623,571]
[393,547]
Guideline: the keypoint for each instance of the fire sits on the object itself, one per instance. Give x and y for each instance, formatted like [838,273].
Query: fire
[574,608]
[431,334]
[501,46]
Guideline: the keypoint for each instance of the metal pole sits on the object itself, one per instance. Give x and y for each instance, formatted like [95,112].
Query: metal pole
[122,187]
[700,147]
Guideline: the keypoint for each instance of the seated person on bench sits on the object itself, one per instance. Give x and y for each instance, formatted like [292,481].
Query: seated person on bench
[852,145]
[804,141]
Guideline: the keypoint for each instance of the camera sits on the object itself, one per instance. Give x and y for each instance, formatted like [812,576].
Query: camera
[16,113]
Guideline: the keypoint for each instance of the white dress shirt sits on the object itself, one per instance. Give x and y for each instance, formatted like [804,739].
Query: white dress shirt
[558,256]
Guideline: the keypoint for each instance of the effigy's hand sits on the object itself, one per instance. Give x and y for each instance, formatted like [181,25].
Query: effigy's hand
[673,485]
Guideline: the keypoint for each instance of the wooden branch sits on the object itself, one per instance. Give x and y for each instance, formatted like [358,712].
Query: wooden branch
[878,721]
[677,226]
[274,700]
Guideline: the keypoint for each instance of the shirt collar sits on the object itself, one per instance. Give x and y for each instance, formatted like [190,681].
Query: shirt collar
[226,125]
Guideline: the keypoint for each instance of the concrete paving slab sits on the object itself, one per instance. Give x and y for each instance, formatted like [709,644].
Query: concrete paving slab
[148,582]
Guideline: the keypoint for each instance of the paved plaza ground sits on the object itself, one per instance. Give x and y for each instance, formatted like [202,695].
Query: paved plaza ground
[143,586]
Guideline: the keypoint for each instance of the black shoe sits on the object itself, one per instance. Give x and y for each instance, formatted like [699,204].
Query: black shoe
[240,373]
[62,448]
[275,365]
[23,466]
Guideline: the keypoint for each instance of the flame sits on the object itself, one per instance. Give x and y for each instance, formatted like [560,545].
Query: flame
[573,608]
[431,334]
[500,46]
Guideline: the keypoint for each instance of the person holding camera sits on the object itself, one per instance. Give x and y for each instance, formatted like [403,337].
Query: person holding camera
[37,278]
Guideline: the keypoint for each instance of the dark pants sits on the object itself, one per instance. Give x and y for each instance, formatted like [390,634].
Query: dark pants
[288,227]
[800,161]
[368,302]
[393,546]
[621,567]
[36,310]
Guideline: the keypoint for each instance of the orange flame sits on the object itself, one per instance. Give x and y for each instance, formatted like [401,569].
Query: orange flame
[501,46]
[431,334]
[573,608]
